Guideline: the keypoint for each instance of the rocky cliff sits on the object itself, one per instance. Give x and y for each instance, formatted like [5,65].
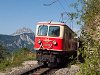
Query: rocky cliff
[21,38]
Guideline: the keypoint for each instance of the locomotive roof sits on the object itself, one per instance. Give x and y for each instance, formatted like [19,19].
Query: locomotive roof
[55,23]
[50,23]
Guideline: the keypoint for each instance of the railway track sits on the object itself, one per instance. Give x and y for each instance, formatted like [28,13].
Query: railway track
[39,70]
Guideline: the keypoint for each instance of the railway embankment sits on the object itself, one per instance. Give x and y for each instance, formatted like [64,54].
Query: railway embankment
[67,71]
[27,65]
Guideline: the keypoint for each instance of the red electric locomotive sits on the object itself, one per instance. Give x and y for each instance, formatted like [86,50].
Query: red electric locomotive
[54,42]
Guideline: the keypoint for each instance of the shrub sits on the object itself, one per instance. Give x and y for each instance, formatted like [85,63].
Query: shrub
[16,58]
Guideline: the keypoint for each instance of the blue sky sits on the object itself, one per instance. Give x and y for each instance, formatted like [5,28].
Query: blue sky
[16,14]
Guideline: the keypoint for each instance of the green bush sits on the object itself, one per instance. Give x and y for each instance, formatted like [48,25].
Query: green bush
[16,58]
[89,17]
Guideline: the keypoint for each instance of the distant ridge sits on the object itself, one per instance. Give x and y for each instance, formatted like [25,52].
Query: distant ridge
[22,38]
[22,30]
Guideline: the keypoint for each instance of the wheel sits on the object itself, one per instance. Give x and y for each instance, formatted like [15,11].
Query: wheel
[40,63]
[52,65]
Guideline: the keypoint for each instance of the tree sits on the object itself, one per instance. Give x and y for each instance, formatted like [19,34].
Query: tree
[3,52]
[90,35]
[88,15]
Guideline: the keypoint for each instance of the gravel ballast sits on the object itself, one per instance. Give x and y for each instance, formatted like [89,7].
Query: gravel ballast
[67,71]
[27,65]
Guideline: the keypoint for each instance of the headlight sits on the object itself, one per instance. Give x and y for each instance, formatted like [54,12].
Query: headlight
[54,42]
[39,41]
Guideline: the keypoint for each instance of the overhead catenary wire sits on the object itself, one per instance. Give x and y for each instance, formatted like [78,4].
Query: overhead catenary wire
[66,1]
[62,6]
[63,13]
[50,3]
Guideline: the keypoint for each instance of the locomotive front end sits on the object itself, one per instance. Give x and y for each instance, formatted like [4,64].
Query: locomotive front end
[54,42]
[48,37]
[48,42]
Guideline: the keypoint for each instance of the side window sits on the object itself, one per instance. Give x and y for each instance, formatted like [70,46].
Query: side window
[70,35]
[66,33]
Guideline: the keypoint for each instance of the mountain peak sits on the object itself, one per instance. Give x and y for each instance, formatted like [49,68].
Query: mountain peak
[22,30]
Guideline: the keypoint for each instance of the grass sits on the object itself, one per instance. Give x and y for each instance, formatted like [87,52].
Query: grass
[16,59]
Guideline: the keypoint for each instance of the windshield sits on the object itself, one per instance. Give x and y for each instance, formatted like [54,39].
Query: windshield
[54,31]
[42,30]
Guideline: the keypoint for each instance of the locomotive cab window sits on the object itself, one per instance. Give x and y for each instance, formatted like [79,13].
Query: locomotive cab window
[42,30]
[54,31]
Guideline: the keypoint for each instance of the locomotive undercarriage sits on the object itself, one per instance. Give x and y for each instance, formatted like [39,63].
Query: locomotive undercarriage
[53,58]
